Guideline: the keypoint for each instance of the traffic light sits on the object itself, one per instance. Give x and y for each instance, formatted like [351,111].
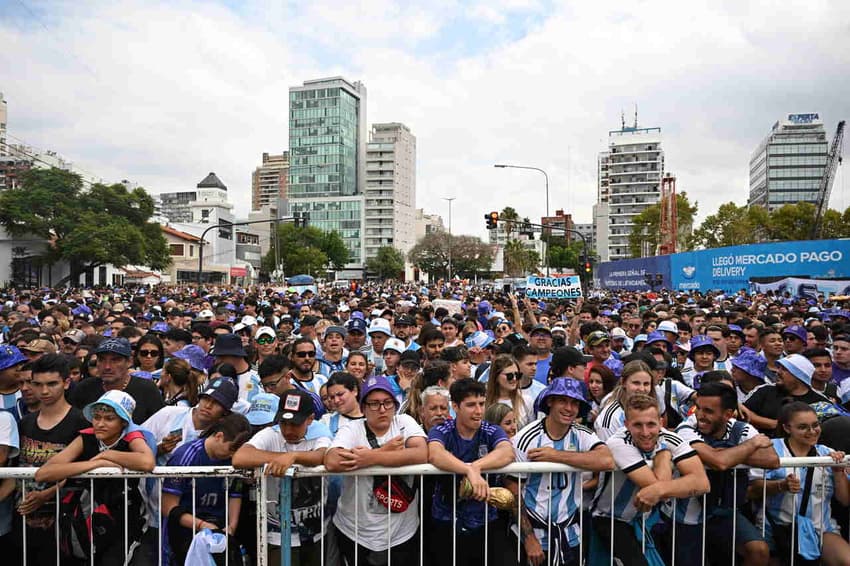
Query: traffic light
[492,220]
[587,267]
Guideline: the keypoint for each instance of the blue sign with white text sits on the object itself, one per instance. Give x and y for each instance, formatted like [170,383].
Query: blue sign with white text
[731,269]
[629,274]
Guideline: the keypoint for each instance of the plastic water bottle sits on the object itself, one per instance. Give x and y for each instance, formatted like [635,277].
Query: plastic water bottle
[243,552]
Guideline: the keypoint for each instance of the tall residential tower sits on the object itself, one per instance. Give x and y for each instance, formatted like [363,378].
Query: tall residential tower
[629,175]
[269,180]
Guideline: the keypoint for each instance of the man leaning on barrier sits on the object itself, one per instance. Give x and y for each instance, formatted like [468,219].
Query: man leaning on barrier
[297,439]
[634,488]
[556,498]
[371,508]
[721,443]
[467,446]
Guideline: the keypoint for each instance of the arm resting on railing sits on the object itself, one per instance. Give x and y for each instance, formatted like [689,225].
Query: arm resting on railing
[691,482]
[249,457]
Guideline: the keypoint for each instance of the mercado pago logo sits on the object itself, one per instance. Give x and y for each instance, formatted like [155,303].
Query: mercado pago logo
[735,265]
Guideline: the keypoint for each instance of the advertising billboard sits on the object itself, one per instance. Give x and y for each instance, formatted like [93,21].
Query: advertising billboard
[731,269]
[628,274]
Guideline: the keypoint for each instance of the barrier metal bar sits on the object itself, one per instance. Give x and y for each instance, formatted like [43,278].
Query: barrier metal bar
[285,513]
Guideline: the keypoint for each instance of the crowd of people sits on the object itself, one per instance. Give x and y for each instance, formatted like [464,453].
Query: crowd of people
[676,408]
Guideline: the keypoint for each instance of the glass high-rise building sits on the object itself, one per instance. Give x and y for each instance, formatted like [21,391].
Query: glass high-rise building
[787,166]
[327,147]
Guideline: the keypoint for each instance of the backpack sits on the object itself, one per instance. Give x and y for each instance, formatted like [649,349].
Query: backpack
[723,494]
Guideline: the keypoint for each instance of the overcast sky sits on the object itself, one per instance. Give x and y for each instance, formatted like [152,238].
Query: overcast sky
[163,93]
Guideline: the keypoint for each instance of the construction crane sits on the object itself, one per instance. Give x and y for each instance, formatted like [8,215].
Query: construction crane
[669,216]
[833,160]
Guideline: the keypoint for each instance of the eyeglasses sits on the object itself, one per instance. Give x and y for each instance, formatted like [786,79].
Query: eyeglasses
[511,375]
[305,354]
[386,404]
[265,340]
[148,353]
[788,338]
[808,427]
[267,385]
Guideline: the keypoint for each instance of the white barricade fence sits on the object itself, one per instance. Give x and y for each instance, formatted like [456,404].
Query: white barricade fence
[515,470]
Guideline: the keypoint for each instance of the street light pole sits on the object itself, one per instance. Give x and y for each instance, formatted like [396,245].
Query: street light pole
[450,199]
[546,178]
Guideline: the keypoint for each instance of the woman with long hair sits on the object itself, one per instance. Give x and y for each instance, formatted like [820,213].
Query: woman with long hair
[149,355]
[788,489]
[358,365]
[636,378]
[501,415]
[180,383]
[343,394]
[600,382]
[503,387]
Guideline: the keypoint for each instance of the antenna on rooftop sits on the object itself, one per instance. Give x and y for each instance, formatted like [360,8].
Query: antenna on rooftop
[636,116]
[623,119]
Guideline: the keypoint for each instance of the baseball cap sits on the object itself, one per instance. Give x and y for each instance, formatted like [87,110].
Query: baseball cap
[335,330]
[297,405]
[309,320]
[357,325]
[380,325]
[395,344]
[538,328]
[797,331]
[410,357]
[668,326]
[75,335]
[478,339]
[120,402]
[618,333]
[40,345]
[223,391]
[265,331]
[205,315]
[597,337]
[10,356]
[120,346]
[376,383]
[405,319]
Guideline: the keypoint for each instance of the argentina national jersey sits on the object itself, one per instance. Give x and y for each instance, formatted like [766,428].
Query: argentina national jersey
[609,420]
[556,496]
[689,510]
[615,495]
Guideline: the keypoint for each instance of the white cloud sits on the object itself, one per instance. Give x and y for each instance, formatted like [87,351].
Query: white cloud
[164,93]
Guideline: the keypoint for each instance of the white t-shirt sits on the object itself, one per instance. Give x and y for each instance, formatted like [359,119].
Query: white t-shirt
[306,492]
[365,519]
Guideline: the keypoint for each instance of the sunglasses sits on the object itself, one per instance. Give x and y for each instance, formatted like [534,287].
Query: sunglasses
[148,353]
[511,375]
[264,340]
[305,354]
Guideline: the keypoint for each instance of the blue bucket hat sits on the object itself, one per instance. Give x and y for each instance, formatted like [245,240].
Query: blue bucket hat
[735,329]
[656,336]
[10,356]
[702,341]
[562,387]
[195,355]
[122,403]
[799,366]
[750,362]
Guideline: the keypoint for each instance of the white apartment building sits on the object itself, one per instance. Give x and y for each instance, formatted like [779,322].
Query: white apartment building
[268,181]
[390,192]
[629,181]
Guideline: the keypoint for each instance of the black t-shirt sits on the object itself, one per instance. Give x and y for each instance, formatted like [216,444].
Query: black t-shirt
[147,396]
[766,401]
[38,445]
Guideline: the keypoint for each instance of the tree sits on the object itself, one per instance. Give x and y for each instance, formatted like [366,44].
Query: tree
[469,255]
[792,222]
[388,263]
[104,224]
[306,250]
[519,260]
[646,226]
[565,256]
[510,216]
[731,225]
[836,224]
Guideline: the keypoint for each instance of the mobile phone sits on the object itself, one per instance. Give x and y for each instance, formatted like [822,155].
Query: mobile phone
[176,431]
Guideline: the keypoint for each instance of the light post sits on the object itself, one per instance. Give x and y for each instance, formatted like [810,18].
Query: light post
[450,199]
[546,177]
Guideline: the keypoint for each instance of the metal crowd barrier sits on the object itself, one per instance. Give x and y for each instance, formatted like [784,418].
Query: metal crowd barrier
[260,481]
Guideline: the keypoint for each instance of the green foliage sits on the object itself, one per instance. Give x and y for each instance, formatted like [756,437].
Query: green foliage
[646,226]
[519,260]
[388,263]
[469,255]
[306,250]
[87,227]
[734,225]
[565,256]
